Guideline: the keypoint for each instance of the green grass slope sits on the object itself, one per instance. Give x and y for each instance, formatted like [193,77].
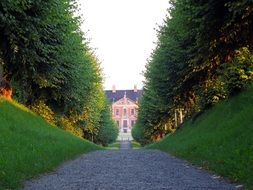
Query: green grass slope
[30,146]
[113,146]
[135,145]
[220,140]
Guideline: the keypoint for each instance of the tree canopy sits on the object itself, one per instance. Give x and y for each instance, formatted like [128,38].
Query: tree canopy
[51,68]
[203,55]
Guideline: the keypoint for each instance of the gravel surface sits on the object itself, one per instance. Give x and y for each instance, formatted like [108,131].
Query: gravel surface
[127,169]
[125,145]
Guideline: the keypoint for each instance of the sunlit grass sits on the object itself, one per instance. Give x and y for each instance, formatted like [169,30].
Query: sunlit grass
[135,145]
[113,146]
[16,104]
[220,140]
[30,146]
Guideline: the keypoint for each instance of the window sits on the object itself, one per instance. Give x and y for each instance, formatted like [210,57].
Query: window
[132,111]
[117,111]
[132,123]
[125,112]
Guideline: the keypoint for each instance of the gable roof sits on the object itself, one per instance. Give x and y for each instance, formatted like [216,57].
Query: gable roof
[115,96]
[128,101]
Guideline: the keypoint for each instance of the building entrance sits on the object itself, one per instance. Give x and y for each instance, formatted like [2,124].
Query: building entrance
[125,127]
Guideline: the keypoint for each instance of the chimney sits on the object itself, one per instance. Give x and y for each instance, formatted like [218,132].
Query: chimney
[114,88]
[135,88]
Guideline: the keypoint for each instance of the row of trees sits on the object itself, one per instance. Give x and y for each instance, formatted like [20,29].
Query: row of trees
[46,59]
[203,55]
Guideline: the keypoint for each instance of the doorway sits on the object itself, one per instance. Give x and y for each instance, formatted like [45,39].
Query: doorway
[125,126]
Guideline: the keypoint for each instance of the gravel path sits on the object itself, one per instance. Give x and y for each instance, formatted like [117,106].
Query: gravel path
[125,145]
[127,169]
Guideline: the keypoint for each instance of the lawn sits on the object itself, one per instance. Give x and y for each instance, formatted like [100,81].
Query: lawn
[135,145]
[30,146]
[113,146]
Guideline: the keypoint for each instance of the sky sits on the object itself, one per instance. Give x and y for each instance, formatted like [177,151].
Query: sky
[122,34]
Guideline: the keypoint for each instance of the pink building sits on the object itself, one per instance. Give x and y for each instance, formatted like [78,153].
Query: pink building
[124,107]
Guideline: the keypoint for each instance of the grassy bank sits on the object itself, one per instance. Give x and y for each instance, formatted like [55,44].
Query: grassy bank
[30,146]
[220,140]
[113,146]
[116,145]
[135,145]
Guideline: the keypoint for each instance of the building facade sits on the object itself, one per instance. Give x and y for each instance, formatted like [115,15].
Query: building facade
[124,107]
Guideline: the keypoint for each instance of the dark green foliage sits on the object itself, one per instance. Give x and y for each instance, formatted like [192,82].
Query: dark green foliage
[238,72]
[43,52]
[137,133]
[108,132]
[203,55]
[47,59]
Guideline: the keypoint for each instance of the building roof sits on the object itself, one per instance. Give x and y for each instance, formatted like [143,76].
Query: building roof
[118,94]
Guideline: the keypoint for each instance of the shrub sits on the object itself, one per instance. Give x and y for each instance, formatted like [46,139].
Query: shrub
[43,110]
[108,131]
[239,72]
[69,126]
[139,134]
[213,94]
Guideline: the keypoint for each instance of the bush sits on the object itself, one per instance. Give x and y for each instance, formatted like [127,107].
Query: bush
[239,72]
[232,77]
[67,125]
[138,134]
[108,131]
[43,110]
[213,94]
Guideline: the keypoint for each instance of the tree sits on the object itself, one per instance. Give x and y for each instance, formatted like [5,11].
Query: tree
[108,132]
[47,60]
[196,54]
